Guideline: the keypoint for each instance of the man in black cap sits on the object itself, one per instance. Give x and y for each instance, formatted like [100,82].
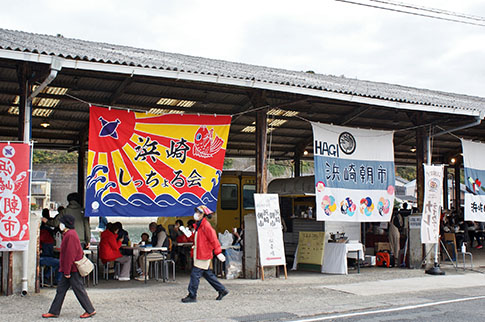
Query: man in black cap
[71,251]
[82,223]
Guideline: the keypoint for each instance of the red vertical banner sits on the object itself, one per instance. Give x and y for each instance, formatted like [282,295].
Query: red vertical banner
[14,196]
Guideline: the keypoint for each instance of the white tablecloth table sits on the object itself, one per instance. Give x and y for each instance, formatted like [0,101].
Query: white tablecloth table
[335,256]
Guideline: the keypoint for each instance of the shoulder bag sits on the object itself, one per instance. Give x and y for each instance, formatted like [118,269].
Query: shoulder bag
[84,266]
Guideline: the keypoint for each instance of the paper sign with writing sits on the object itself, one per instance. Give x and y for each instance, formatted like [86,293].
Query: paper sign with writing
[354,173]
[14,196]
[311,245]
[474,166]
[142,164]
[433,201]
[270,234]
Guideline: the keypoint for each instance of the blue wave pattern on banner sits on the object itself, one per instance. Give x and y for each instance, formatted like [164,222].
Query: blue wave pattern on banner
[354,174]
[475,181]
[140,205]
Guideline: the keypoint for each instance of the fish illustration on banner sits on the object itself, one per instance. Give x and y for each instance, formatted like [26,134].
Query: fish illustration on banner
[14,193]
[474,180]
[354,173]
[143,164]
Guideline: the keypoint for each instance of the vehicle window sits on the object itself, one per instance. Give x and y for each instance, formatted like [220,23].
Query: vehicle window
[229,200]
[248,196]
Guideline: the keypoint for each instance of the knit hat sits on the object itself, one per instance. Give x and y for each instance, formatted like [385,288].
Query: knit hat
[203,210]
[68,221]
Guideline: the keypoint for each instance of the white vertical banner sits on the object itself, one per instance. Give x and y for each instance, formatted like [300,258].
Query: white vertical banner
[270,235]
[474,166]
[433,201]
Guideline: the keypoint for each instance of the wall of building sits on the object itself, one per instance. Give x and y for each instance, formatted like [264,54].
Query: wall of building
[63,180]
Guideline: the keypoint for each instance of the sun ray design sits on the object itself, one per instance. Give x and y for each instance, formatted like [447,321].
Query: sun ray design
[142,164]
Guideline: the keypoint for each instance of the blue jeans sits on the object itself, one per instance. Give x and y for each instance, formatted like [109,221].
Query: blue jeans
[208,275]
[54,265]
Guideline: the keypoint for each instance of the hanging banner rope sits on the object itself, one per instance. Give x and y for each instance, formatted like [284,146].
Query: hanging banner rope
[143,164]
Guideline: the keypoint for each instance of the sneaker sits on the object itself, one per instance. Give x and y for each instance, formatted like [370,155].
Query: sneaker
[49,315]
[87,315]
[189,299]
[222,294]
[479,247]
[141,278]
[123,279]
[115,277]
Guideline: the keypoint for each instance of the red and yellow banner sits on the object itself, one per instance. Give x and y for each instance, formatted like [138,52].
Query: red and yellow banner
[14,196]
[143,164]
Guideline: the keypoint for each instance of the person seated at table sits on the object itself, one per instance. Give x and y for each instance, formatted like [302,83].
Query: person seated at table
[159,239]
[144,239]
[191,227]
[473,234]
[109,250]
[47,256]
[125,239]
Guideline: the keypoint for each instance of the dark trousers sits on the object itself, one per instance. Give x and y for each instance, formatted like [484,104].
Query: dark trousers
[208,275]
[77,285]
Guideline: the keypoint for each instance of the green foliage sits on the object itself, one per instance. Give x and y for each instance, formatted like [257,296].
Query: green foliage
[307,167]
[408,173]
[282,168]
[54,156]
[228,163]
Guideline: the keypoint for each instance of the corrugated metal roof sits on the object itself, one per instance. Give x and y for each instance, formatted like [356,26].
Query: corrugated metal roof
[129,56]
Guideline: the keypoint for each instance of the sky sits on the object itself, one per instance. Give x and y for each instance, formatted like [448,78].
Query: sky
[324,36]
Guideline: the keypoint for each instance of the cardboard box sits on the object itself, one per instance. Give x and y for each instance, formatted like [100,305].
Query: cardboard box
[380,246]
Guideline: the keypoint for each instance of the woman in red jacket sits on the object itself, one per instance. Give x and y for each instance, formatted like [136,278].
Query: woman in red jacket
[109,250]
[205,245]
[71,251]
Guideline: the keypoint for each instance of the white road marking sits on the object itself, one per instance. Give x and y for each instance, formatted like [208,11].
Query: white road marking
[394,309]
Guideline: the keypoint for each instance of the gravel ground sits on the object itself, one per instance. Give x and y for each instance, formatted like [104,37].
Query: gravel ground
[302,294]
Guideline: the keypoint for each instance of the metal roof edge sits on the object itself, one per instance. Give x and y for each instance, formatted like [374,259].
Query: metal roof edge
[155,72]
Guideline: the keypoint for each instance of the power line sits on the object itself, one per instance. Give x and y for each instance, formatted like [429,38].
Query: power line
[447,13]
[433,10]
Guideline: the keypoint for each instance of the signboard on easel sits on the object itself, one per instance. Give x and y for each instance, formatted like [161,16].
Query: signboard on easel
[311,245]
[270,235]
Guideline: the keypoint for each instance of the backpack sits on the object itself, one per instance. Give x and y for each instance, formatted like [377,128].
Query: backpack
[167,243]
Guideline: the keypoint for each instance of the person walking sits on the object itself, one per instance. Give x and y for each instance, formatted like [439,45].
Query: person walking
[205,244]
[71,251]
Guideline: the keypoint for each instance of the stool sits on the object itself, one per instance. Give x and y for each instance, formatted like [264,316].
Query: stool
[165,271]
[471,258]
[117,268]
[94,272]
[42,270]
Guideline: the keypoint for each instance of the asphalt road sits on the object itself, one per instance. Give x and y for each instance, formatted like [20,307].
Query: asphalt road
[458,309]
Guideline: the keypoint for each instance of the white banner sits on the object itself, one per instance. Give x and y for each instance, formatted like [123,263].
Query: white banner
[433,201]
[474,180]
[270,234]
[354,173]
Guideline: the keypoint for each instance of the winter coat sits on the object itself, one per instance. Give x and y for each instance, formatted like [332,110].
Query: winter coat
[109,246]
[71,251]
[81,223]
[207,241]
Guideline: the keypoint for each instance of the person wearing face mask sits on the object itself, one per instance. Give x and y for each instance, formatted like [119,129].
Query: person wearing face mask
[71,251]
[205,244]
